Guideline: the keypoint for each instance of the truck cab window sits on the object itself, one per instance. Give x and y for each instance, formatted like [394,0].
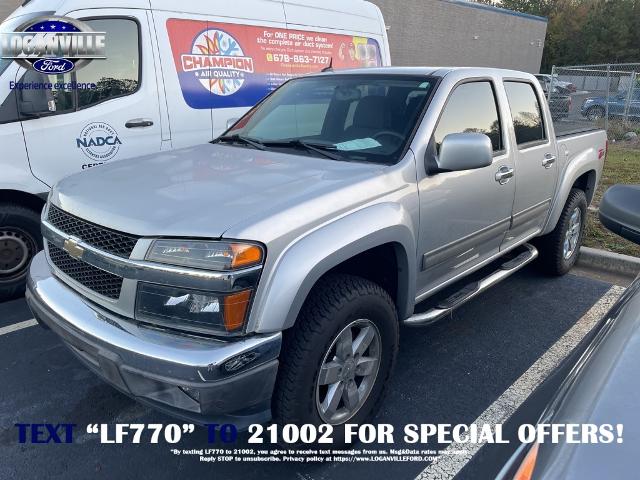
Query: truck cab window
[119,73]
[526,112]
[471,108]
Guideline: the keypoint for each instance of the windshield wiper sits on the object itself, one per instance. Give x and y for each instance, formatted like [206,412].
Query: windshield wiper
[241,139]
[321,148]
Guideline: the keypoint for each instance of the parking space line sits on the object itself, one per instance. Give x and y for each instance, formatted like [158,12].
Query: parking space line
[499,411]
[18,326]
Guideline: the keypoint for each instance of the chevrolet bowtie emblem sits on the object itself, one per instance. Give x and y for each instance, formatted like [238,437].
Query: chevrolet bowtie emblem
[73,249]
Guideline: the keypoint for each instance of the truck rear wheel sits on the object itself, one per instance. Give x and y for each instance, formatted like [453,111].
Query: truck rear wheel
[20,240]
[337,360]
[559,250]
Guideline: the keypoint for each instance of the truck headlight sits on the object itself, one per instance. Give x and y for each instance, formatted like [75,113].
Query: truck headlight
[208,255]
[194,310]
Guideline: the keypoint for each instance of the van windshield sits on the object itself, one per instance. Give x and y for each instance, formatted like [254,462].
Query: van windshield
[357,117]
[11,25]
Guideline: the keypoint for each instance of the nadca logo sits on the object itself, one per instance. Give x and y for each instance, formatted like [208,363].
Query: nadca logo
[99,141]
[218,62]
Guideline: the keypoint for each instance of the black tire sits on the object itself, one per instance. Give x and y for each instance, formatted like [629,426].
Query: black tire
[552,258]
[596,113]
[19,234]
[335,302]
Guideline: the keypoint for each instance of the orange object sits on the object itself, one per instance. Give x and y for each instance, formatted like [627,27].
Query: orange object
[235,310]
[245,255]
[525,472]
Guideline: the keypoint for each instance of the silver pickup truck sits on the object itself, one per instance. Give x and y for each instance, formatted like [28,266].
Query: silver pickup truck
[266,275]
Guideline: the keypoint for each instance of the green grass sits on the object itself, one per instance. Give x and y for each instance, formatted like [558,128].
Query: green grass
[622,166]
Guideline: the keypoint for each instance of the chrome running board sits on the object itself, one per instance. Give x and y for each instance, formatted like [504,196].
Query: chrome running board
[469,291]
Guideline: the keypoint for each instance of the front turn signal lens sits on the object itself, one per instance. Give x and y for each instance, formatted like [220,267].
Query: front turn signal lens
[235,310]
[525,472]
[245,255]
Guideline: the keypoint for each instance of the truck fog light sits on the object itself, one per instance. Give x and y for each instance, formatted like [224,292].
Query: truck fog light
[192,310]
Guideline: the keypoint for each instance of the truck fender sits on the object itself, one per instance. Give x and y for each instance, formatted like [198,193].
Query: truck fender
[307,259]
[586,161]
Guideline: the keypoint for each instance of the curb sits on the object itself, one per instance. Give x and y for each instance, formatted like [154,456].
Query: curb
[608,261]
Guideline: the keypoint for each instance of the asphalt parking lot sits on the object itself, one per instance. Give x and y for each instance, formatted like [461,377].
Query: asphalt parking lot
[451,372]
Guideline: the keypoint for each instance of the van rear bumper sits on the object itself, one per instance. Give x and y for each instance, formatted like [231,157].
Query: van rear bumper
[202,380]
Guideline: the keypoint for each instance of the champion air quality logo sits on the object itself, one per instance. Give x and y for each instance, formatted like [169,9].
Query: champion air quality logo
[53,45]
[218,62]
[99,141]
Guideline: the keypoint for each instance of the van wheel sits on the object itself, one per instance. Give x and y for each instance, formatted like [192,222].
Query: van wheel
[559,250]
[20,240]
[337,359]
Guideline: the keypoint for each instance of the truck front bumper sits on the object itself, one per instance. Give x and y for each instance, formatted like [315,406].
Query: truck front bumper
[199,379]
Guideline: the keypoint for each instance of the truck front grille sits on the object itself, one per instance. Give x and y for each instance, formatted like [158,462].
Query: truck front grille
[102,238]
[99,281]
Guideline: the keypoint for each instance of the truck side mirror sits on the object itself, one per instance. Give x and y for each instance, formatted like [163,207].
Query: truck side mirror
[231,122]
[620,211]
[464,151]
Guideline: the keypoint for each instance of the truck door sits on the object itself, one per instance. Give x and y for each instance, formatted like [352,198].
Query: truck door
[536,166]
[464,215]
[117,119]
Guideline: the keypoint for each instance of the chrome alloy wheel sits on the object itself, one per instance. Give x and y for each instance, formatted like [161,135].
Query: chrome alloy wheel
[16,248]
[572,236]
[348,372]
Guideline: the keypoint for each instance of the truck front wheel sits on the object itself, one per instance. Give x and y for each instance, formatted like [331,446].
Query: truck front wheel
[20,240]
[337,360]
[559,250]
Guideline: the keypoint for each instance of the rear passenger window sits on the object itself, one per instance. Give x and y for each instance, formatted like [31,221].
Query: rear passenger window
[526,112]
[119,73]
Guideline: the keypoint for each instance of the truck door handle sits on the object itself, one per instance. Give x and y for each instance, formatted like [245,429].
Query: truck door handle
[549,160]
[504,174]
[139,123]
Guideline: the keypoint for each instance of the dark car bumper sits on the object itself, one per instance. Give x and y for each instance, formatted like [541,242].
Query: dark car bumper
[193,378]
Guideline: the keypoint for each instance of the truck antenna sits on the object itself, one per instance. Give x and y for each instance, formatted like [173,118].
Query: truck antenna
[330,67]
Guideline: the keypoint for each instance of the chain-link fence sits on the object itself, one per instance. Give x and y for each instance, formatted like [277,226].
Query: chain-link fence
[603,96]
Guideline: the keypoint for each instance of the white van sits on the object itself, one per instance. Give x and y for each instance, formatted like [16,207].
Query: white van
[175,74]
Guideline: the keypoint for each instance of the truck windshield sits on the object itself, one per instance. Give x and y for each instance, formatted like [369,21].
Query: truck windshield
[360,117]
[11,25]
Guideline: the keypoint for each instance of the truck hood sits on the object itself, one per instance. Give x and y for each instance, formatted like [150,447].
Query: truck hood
[200,191]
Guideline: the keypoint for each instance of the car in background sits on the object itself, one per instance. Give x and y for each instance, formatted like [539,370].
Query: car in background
[559,105]
[603,387]
[546,81]
[620,105]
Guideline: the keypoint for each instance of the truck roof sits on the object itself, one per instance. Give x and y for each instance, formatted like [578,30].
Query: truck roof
[432,71]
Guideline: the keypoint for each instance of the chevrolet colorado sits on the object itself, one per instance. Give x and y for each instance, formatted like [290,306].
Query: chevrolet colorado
[266,275]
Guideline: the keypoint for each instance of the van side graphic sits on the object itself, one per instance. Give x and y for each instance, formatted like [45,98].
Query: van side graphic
[223,65]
